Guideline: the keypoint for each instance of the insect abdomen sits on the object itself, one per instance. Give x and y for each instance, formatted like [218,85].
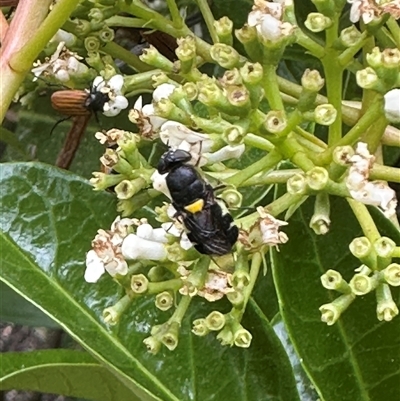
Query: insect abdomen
[70,102]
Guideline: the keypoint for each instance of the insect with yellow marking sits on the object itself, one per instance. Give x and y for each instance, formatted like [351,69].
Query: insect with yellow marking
[210,229]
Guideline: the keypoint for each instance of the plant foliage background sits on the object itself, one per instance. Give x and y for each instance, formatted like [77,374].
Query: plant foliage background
[48,220]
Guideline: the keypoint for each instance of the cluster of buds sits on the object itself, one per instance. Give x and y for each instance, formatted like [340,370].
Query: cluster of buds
[214,120]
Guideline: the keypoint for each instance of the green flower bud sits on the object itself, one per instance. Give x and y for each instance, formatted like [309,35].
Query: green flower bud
[242,338]
[186,53]
[342,154]
[312,81]
[246,34]
[232,197]
[127,188]
[350,36]
[297,185]
[223,28]
[236,298]
[384,247]
[386,309]
[361,284]
[234,135]
[171,337]
[166,109]
[231,77]
[367,78]
[320,220]
[275,121]
[215,321]
[240,279]
[317,178]
[317,22]
[190,90]
[224,55]
[392,274]
[106,34]
[153,345]
[101,181]
[391,59]
[361,248]
[112,314]
[252,73]
[82,27]
[154,58]
[200,328]
[92,44]
[333,280]
[139,283]
[95,61]
[156,273]
[239,96]
[332,311]
[325,114]
[164,301]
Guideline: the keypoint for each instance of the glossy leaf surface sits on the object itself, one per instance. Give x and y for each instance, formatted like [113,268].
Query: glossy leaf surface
[358,358]
[49,219]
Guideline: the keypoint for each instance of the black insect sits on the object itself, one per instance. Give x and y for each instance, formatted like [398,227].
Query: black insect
[210,229]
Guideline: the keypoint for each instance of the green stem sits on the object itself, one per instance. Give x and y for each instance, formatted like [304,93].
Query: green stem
[347,56]
[126,22]
[334,84]
[256,141]
[117,51]
[271,177]
[374,112]
[365,220]
[208,18]
[27,19]
[181,310]
[394,29]
[160,286]
[267,162]
[175,14]
[283,203]
[396,252]
[271,87]
[22,60]
[256,260]
[385,173]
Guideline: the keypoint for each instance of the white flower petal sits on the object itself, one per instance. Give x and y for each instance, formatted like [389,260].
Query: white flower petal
[160,184]
[135,247]
[98,83]
[116,83]
[163,92]
[392,105]
[94,267]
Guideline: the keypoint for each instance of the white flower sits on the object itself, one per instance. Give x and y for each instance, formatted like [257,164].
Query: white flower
[113,88]
[106,253]
[134,247]
[160,184]
[269,227]
[364,9]
[225,153]
[63,36]
[145,118]
[177,230]
[267,18]
[94,267]
[178,136]
[392,105]
[376,193]
[163,91]
[62,65]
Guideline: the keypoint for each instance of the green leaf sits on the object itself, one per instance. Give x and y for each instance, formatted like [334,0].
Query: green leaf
[49,219]
[16,309]
[72,373]
[358,357]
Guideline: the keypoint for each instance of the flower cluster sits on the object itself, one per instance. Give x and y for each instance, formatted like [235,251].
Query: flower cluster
[231,132]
